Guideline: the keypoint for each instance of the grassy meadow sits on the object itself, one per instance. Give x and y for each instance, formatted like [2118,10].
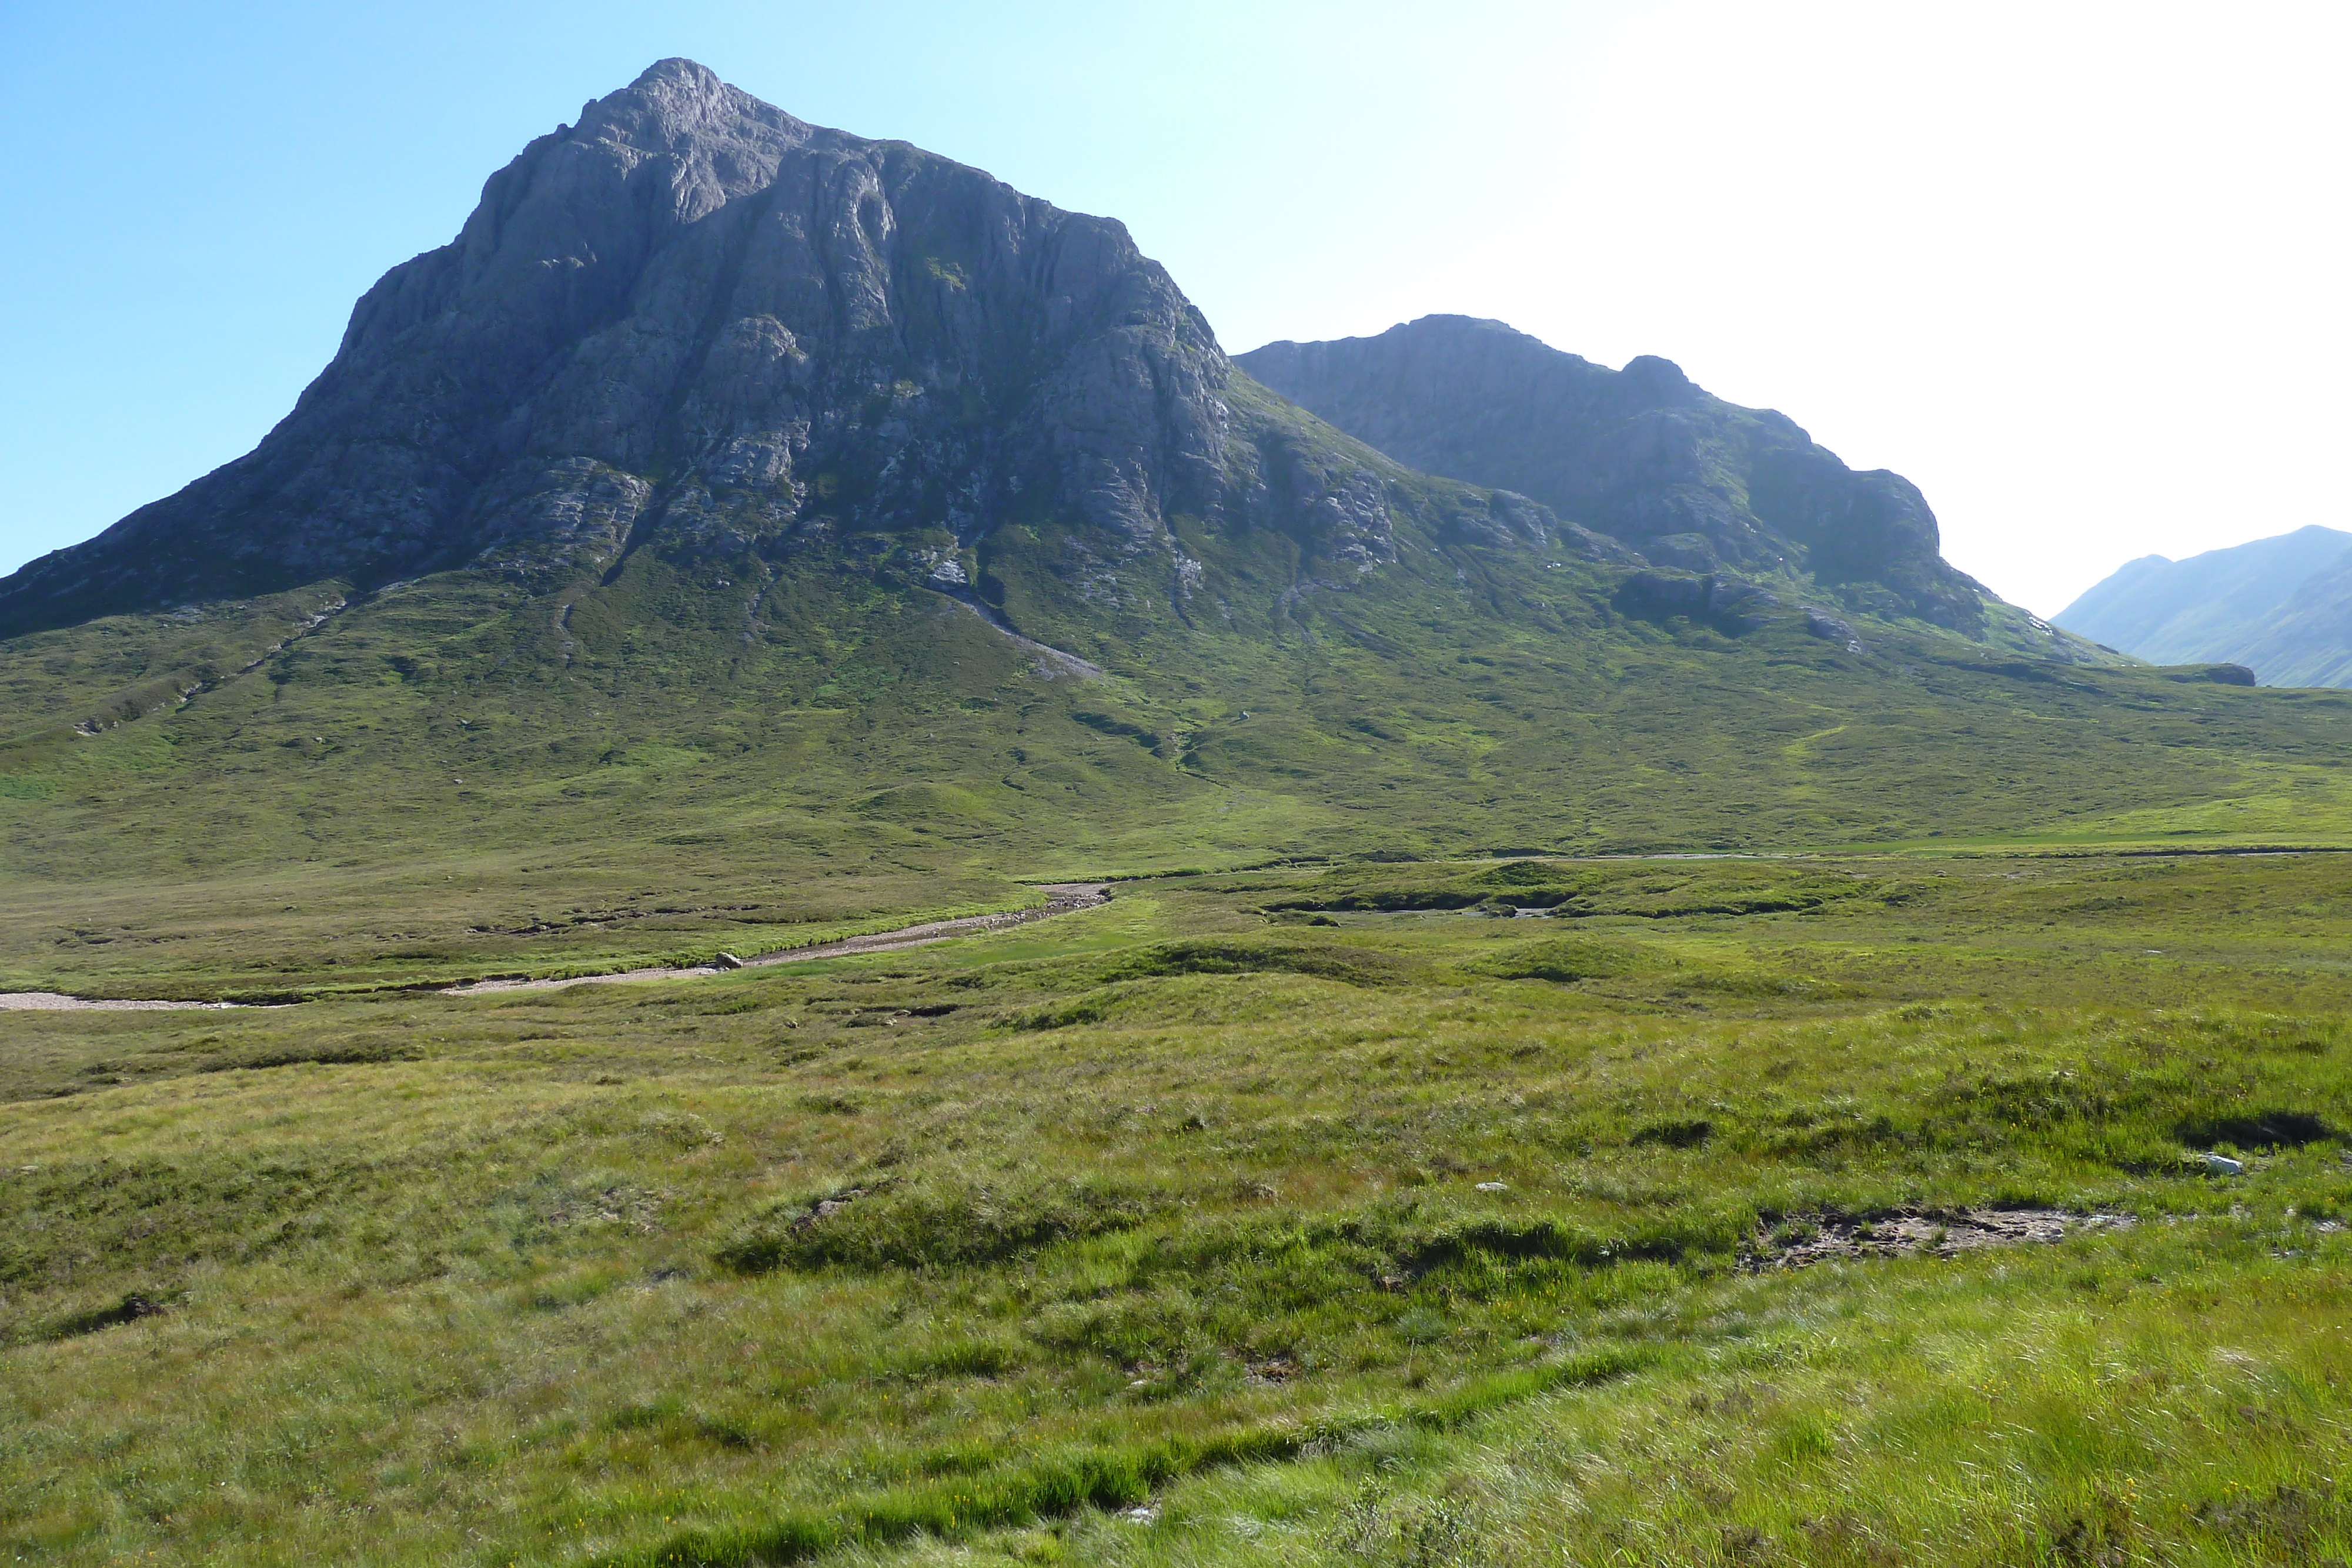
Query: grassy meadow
[1403,1212]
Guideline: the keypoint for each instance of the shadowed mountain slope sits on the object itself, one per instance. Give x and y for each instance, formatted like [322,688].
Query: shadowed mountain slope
[1643,455]
[2282,606]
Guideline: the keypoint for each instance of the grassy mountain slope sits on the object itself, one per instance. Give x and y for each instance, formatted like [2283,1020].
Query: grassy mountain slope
[461,774]
[2308,639]
[2280,606]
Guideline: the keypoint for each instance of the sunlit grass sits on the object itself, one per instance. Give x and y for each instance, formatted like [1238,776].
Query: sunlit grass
[1176,1205]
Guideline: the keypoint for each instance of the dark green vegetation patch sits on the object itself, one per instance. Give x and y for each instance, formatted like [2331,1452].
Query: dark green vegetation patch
[1567,960]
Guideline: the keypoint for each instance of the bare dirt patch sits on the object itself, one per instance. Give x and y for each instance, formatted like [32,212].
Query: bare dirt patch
[56,1002]
[1798,1241]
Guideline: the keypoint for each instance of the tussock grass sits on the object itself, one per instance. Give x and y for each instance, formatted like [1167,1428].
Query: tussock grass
[1388,1240]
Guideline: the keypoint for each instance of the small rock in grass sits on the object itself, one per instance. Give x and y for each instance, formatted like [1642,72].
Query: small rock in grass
[826,1208]
[2223,1165]
[1493,1187]
[727,961]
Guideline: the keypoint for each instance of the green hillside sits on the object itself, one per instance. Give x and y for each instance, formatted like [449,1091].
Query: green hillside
[465,775]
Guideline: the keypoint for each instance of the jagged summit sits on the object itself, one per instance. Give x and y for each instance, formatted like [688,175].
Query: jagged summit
[684,80]
[1642,453]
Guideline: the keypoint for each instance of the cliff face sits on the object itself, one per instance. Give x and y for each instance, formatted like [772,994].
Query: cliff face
[1640,454]
[693,320]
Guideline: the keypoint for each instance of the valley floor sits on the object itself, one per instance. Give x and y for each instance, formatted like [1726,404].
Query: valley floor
[1415,1213]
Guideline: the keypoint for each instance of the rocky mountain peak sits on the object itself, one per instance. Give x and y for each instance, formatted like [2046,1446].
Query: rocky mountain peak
[1661,381]
[692,314]
[1640,454]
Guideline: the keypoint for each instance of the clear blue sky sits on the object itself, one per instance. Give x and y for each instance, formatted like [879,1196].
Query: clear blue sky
[2077,269]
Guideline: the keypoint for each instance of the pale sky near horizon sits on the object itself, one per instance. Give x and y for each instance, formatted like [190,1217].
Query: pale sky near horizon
[2074,268]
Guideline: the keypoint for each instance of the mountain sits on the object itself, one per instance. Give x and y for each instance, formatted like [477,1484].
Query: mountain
[2282,606]
[694,319]
[1642,453]
[743,532]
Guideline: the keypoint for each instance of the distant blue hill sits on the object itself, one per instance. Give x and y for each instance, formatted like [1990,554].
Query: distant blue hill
[2280,606]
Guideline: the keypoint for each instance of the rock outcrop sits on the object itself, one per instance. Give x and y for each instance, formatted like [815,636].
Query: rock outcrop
[1689,480]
